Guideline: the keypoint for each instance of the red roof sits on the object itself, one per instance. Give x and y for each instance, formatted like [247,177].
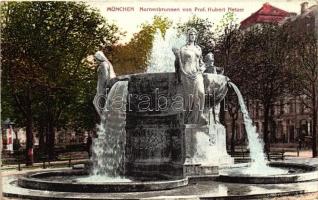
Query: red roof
[266,14]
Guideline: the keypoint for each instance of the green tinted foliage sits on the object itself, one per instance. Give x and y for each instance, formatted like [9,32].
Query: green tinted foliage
[205,34]
[132,57]
[45,46]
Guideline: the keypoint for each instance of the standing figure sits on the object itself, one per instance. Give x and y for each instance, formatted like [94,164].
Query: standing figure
[190,67]
[89,143]
[105,72]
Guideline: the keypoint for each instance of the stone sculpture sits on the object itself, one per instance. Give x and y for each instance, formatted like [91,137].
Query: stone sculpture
[105,72]
[212,111]
[209,63]
[189,68]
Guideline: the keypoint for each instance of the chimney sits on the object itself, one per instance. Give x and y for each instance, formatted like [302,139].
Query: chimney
[304,7]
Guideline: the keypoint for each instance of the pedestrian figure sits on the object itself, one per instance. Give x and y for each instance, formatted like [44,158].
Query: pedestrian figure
[89,145]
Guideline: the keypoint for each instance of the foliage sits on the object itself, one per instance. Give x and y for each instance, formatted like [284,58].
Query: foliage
[303,62]
[228,47]
[205,34]
[263,56]
[133,57]
[45,46]
[227,53]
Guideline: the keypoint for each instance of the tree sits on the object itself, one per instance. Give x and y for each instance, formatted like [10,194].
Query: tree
[44,47]
[303,61]
[233,111]
[227,52]
[228,45]
[133,57]
[205,36]
[263,56]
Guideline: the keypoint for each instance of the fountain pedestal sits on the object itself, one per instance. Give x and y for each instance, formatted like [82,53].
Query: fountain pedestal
[158,141]
[204,149]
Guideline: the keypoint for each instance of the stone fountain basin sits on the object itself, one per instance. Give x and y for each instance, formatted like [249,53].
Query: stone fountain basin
[154,85]
[64,181]
[297,173]
[215,88]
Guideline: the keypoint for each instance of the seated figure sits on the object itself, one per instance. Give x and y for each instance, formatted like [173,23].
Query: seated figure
[215,88]
[209,64]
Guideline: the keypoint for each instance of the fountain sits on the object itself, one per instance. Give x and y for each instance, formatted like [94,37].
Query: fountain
[255,145]
[148,140]
[109,147]
[258,167]
[161,57]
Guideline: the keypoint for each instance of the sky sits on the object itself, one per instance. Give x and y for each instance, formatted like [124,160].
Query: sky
[129,14]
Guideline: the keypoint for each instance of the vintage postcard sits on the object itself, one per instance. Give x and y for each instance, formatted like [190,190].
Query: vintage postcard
[159,99]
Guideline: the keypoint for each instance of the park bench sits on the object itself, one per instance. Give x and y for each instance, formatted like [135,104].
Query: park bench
[276,155]
[241,155]
[69,156]
[15,158]
[44,159]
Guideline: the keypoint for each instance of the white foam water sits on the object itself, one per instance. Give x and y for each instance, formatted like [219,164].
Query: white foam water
[255,144]
[102,179]
[162,58]
[108,149]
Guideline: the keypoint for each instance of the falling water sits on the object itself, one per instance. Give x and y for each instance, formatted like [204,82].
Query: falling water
[108,149]
[162,58]
[255,144]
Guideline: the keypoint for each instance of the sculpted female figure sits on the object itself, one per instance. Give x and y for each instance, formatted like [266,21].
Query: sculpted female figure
[190,67]
[105,72]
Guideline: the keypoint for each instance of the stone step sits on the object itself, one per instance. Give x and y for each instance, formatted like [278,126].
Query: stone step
[242,160]
[198,169]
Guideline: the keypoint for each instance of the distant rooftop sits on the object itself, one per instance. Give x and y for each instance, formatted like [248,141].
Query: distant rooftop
[305,12]
[266,14]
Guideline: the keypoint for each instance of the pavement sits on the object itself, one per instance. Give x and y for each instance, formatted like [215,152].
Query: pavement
[302,154]
[13,169]
[203,189]
[199,190]
[310,196]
